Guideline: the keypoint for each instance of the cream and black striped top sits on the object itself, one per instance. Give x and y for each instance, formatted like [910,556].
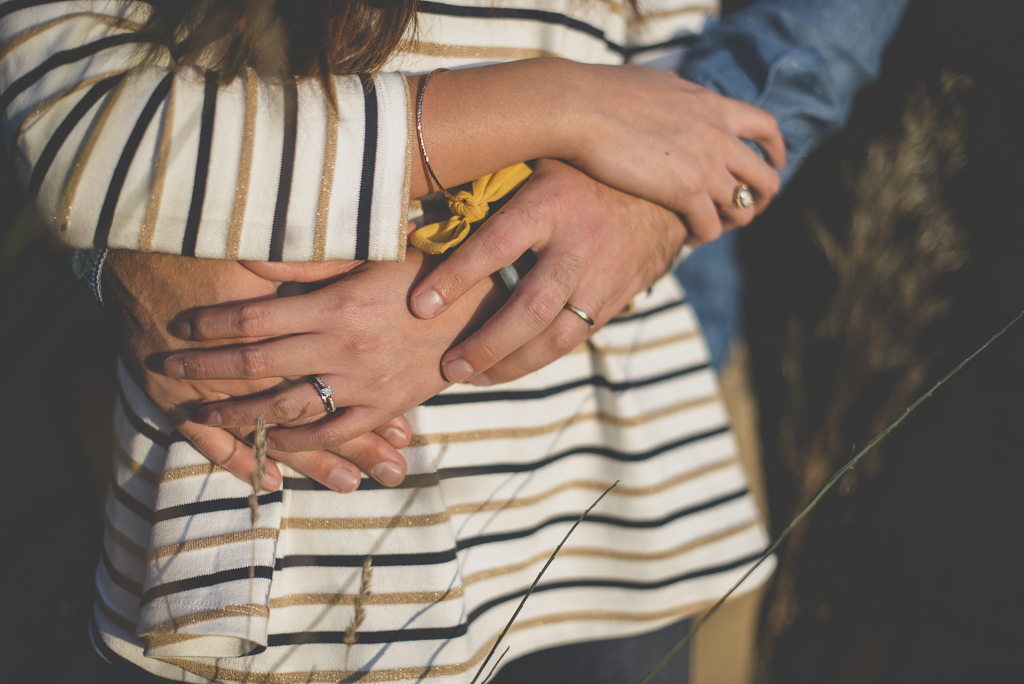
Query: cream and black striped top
[188,586]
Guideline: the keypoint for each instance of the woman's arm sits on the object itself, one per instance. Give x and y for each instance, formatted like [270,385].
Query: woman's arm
[172,160]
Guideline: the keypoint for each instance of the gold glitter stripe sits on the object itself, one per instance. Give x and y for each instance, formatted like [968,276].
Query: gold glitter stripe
[30,33]
[426,49]
[163,160]
[597,485]
[261,533]
[386,599]
[383,522]
[513,433]
[411,152]
[167,629]
[606,350]
[115,617]
[252,101]
[122,539]
[137,468]
[330,676]
[191,471]
[63,215]
[50,101]
[610,553]
[710,10]
[323,207]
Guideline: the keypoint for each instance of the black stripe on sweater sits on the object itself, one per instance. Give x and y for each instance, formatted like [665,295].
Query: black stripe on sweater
[67,57]
[601,520]
[514,13]
[284,188]
[143,428]
[214,506]
[525,395]
[17,5]
[131,146]
[195,210]
[206,581]
[449,555]
[455,631]
[60,135]
[369,168]
[605,452]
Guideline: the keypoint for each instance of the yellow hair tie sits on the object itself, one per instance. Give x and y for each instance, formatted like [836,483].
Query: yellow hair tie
[468,208]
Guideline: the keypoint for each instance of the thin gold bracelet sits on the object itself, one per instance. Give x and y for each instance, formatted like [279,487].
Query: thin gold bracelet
[419,132]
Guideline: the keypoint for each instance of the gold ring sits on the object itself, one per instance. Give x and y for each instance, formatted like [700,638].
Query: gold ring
[742,197]
[325,392]
[581,313]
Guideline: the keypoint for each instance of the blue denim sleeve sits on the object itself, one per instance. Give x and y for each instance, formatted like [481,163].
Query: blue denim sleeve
[801,60]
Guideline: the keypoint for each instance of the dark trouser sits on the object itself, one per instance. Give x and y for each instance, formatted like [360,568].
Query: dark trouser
[610,661]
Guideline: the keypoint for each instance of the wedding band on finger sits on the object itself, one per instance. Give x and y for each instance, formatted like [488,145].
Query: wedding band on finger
[581,313]
[325,392]
[742,197]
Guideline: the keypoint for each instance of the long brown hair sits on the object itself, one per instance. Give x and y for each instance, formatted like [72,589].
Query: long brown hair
[303,38]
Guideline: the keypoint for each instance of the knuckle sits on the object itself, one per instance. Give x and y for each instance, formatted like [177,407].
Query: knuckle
[564,339]
[328,434]
[251,320]
[285,408]
[254,362]
[360,343]
[499,244]
[542,306]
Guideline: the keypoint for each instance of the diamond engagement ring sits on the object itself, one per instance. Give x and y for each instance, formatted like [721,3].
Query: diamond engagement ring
[742,197]
[325,392]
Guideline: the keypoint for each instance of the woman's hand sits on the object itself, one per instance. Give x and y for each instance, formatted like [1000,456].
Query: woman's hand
[356,333]
[151,290]
[643,131]
[596,248]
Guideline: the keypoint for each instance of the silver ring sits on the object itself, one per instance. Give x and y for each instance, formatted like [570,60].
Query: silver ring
[742,197]
[325,392]
[581,313]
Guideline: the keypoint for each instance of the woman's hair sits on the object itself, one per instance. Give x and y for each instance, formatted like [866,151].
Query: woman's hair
[303,38]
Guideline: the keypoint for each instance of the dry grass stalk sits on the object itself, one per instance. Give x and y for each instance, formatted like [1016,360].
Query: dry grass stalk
[836,477]
[533,586]
[359,607]
[891,261]
[260,451]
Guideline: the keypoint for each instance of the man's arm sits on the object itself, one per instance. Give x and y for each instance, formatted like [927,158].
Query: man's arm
[803,61]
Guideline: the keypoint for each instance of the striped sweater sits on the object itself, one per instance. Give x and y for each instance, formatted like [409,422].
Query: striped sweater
[189,587]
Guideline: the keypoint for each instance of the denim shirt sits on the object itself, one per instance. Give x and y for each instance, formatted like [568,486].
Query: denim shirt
[803,61]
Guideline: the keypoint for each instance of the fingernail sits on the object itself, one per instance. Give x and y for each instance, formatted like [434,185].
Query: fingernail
[457,370]
[396,438]
[427,304]
[343,480]
[209,416]
[174,368]
[388,474]
[182,330]
[269,483]
[481,380]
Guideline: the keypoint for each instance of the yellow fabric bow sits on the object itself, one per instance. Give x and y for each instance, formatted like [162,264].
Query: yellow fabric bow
[468,208]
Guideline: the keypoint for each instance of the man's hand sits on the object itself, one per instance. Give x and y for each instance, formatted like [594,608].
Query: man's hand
[595,247]
[151,292]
